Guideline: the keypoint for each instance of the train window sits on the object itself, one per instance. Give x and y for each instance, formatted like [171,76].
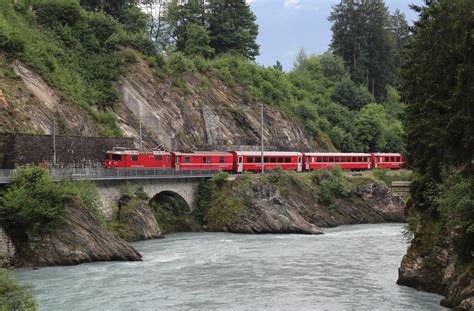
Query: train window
[348,159]
[331,159]
[392,159]
[249,160]
[116,157]
[386,159]
[265,160]
[240,159]
[258,160]
[272,160]
[299,159]
[134,158]
[158,158]
[187,159]
[287,160]
[208,160]
[319,159]
[221,160]
[280,160]
[167,158]
[336,159]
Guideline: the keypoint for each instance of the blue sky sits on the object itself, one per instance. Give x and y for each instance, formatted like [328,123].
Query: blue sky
[285,26]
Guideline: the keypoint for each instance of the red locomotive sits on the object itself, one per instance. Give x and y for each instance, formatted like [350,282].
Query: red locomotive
[241,161]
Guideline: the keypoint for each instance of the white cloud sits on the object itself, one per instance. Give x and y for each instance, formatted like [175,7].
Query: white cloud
[292,4]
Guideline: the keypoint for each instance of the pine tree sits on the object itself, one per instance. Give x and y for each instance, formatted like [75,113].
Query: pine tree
[401,33]
[233,28]
[361,36]
[438,86]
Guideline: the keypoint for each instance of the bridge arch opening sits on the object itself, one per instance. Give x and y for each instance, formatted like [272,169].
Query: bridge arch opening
[172,212]
[171,201]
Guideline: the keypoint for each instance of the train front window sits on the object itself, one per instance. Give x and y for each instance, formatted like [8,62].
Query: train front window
[116,157]
[221,160]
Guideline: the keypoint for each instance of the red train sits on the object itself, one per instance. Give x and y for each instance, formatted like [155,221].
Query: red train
[240,161]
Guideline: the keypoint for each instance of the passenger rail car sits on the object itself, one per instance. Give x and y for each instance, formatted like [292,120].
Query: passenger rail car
[202,160]
[346,161]
[388,160]
[252,161]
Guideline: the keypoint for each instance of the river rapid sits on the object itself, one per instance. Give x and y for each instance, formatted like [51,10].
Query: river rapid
[348,268]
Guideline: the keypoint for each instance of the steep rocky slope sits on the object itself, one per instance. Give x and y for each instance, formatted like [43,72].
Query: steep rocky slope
[77,238]
[431,264]
[28,104]
[201,113]
[289,203]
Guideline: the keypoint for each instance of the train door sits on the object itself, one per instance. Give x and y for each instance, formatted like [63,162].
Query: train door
[300,164]
[178,163]
[240,164]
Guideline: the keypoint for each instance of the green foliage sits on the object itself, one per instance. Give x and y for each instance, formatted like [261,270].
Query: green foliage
[37,203]
[455,203]
[33,200]
[331,184]
[87,193]
[218,204]
[351,96]
[211,27]
[197,41]
[362,37]
[437,86]
[387,176]
[14,296]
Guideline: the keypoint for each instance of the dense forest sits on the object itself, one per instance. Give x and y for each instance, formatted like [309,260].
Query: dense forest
[347,96]
[438,87]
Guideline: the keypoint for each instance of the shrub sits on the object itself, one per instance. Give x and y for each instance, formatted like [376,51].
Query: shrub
[33,200]
[14,296]
[331,184]
[455,203]
[57,12]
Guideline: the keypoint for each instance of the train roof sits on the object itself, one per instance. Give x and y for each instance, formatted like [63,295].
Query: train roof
[268,153]
[387,154]
[133,151]
[337,154]
[204,153]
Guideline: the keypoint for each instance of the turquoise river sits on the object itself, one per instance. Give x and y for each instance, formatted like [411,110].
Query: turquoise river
[348,268]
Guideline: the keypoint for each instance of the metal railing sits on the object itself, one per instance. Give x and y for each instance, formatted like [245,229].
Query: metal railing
[6,176]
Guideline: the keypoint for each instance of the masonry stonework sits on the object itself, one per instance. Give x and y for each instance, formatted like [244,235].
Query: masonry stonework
[109,191]
[71,151]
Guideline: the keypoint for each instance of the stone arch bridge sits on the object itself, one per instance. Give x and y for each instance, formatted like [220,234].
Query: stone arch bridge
[109,191]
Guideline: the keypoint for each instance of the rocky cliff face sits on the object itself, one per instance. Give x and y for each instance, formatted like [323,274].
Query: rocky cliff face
[269,207]
[29,104]
[139,220]
[432,265]
[201,113]
[78,238]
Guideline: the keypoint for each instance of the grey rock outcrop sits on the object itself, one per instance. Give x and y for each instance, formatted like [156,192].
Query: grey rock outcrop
[7,249]
[270,212]
[142,223]
[78,238]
